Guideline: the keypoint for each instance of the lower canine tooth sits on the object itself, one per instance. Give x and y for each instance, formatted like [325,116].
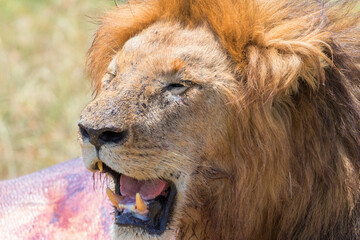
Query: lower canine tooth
[113,197]
[140,204]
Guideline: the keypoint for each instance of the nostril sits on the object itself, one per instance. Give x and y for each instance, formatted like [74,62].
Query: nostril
[84,133]
[112,137]
[100,136]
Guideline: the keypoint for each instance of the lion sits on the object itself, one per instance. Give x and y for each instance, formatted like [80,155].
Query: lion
[227,119]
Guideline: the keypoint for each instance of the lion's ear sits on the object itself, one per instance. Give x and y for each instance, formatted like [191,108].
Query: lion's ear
[280,67]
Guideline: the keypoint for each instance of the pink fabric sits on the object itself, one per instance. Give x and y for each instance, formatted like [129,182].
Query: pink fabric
[60,202]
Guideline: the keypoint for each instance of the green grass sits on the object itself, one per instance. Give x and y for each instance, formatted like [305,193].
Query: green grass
[43,87]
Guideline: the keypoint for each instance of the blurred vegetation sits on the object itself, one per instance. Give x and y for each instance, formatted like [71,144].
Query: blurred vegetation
[43,88]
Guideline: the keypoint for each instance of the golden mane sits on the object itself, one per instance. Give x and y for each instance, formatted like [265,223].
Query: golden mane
[298,121]
[251,31]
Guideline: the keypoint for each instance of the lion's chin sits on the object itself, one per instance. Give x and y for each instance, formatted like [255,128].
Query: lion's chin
[130,233]
[142,207]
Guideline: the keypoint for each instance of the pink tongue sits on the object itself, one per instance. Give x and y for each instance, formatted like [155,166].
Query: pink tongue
[148,189]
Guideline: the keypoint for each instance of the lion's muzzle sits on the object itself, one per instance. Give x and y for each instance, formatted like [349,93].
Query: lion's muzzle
[99,137]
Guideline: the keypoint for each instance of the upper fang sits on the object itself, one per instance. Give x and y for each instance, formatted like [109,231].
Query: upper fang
[113,197]
[100,166]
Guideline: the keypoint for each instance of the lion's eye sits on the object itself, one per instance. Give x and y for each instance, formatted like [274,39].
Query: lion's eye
[108,77]
[111,74]
[174,85]
[176,88]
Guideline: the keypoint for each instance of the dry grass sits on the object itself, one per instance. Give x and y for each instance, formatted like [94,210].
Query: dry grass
[42,82]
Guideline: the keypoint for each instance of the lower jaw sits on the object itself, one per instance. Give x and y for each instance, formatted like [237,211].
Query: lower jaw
[160,211]
[131,233]
[158,217]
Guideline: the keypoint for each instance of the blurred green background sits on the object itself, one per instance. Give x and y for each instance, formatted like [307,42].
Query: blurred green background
[43,87]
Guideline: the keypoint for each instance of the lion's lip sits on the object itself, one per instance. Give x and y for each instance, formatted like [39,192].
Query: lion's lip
[158,197]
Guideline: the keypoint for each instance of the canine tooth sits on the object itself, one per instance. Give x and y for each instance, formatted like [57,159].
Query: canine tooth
[140,204]
[100,166]
[113,197]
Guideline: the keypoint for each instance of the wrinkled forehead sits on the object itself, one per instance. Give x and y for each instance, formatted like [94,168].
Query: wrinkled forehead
[161,44]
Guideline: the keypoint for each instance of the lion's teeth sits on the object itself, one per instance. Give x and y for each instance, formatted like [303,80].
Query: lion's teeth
[100,166]
[121,207]
[140,204]
[113,197]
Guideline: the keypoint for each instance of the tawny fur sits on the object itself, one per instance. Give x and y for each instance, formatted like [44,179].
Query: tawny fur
[267,146]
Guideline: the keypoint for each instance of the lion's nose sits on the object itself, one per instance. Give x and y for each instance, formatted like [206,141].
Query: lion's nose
[99,137]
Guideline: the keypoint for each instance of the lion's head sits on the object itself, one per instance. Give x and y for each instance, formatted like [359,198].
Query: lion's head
[227,119]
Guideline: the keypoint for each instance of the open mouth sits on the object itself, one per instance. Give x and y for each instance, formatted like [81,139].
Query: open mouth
[141,203]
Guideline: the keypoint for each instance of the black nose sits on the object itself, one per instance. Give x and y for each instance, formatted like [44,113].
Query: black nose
[99,137]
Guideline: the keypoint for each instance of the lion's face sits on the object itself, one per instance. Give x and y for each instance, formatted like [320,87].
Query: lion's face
[158,125]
